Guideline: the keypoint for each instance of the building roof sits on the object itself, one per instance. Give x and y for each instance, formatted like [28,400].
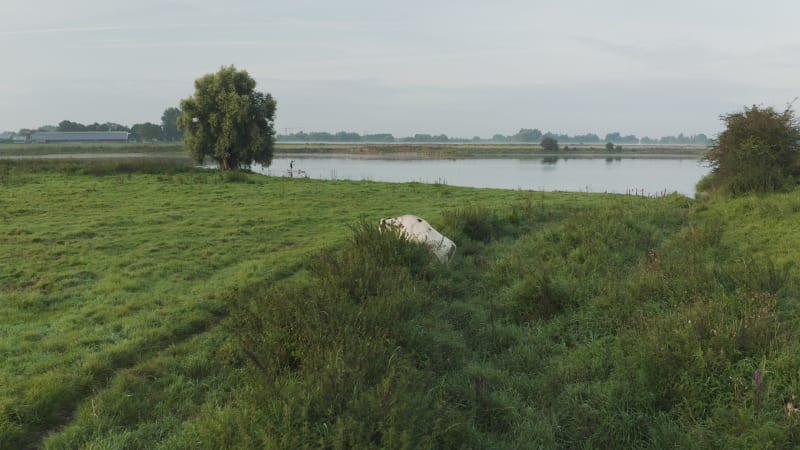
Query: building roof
[74,136]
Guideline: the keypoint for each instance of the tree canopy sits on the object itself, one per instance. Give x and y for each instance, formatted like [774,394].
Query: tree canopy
[147,131]
[67,125]
[228,120]
[528,135]
[169,124]
[759,150]
[549,144]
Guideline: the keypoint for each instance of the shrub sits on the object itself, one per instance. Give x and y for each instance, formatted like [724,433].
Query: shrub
[757,151]
[549,144]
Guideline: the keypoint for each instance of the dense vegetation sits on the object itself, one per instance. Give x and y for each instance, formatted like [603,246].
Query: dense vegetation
[624,323]
[146,305]
[759,150]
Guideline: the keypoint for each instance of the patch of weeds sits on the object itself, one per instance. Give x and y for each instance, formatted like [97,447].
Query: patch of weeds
[235,176]
[478,223]
[538,296]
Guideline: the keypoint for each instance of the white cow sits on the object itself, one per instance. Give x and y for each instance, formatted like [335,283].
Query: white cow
[415,228]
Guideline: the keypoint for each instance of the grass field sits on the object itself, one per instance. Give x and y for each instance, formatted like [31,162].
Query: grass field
[152,305]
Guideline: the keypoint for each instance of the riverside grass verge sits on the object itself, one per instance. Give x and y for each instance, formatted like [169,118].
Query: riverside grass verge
[175,150]
[134,295]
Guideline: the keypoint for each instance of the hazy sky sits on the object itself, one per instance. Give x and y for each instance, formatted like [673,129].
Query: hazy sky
[462,68]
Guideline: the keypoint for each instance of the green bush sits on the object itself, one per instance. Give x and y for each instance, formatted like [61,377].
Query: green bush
[549,144]
[758,151]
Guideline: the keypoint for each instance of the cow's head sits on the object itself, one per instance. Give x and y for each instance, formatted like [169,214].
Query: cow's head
[392,223]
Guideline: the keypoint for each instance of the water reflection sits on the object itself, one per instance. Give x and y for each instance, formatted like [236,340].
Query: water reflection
[549,159]
[648,176]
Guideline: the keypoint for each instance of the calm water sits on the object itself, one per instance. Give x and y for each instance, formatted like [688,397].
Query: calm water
[649,176]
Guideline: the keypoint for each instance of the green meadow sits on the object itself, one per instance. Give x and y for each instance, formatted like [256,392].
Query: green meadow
[149,304]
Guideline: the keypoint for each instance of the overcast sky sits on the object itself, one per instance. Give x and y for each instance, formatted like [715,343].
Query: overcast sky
[463,68]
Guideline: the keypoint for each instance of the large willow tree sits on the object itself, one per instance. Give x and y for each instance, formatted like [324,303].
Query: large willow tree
[229,121]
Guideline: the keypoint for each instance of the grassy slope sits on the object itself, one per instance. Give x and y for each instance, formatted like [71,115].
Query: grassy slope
[617,323]
[585,320]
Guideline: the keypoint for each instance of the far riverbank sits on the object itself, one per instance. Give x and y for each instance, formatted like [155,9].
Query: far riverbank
[398,150]
[469,150]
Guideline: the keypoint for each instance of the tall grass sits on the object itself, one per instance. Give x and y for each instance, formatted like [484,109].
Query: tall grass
[629,323]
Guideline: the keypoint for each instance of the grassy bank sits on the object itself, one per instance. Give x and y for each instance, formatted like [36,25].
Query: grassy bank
[426,150]
[146,305]
[99,149]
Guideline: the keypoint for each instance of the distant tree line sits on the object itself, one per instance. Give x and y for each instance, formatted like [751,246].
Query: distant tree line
[524,135]
[167,130]
[67,125]
[342,136]
[535,135]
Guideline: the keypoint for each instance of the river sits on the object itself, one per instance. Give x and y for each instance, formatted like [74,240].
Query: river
[650,175]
